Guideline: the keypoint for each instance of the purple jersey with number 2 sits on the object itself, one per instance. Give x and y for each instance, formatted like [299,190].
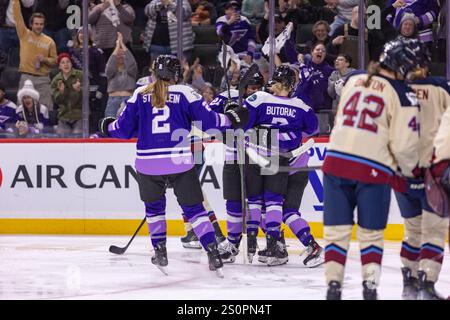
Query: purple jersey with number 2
[162,146]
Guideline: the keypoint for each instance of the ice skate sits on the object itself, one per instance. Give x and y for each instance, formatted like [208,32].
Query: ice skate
[369,290]
[190,240]
[214,260]
[228,251]
[262,254]
[160,257]
[313,256]
[334,291]
[426,288]
[410,285]
[276,252]
[252,244]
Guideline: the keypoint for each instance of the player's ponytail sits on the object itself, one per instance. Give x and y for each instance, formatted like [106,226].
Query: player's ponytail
[277,87]
[159,91]
[372,70]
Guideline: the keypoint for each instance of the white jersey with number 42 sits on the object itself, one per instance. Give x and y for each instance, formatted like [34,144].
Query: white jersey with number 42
[376,131]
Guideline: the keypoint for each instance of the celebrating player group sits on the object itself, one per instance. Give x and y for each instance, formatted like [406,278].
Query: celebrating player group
[387,136]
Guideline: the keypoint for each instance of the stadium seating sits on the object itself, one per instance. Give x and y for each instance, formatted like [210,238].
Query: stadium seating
[205,35]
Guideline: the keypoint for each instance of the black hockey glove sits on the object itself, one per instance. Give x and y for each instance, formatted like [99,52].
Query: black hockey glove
[103,125]
[230,104]
[238,117]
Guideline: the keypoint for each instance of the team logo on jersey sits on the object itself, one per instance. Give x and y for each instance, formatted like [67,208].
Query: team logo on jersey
[237,35]
[253,97]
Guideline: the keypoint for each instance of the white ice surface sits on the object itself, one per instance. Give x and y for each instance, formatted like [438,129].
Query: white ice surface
[81,267]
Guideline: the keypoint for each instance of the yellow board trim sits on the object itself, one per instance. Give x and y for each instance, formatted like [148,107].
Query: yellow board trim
[128,227]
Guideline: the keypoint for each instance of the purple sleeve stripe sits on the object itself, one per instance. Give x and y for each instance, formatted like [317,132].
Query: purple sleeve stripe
[224,121]
[427,18]
[217,120]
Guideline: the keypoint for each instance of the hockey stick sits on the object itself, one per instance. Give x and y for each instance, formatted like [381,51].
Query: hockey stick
[263,161]
[119,250]
[225,68]
[241,160]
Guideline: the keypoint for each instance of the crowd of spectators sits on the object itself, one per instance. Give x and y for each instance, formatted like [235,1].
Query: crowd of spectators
[318,38]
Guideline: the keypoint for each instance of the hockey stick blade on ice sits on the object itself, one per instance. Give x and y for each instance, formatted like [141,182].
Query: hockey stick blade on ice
[119,250]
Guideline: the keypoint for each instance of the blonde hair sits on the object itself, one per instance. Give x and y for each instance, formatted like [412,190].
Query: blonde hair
[372,70]
[277,88]
[159,91]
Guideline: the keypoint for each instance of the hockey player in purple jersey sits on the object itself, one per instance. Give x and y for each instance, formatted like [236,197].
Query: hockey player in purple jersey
[290,117]
[231,174]
[154,113]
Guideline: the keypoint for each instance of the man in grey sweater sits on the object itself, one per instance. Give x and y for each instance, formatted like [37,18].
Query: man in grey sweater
[344,13]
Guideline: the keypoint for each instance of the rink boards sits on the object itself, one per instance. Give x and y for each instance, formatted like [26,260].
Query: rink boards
[89,187]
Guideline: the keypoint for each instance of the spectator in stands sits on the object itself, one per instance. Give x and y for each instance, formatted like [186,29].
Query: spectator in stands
[442,33]
[314,75]
[338,77]
[425,12]
[8,34]
[297,11]
[236,31]
[201,14]
[288,53]
[161,32]
[37,54]
[208,92]
[408,26]
[56,24]
[32,116]
[108,18]
[8,116]
[253,10]
[66,88]
[97,78]
[320,32]
[344,14]
[194,75]
[345,40]
[121,71]
[328,12]
[139,9]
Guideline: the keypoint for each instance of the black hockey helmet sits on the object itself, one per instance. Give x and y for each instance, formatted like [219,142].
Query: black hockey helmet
[423,55]
[284,75]
[401,55]
[256,79]
[167,67]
